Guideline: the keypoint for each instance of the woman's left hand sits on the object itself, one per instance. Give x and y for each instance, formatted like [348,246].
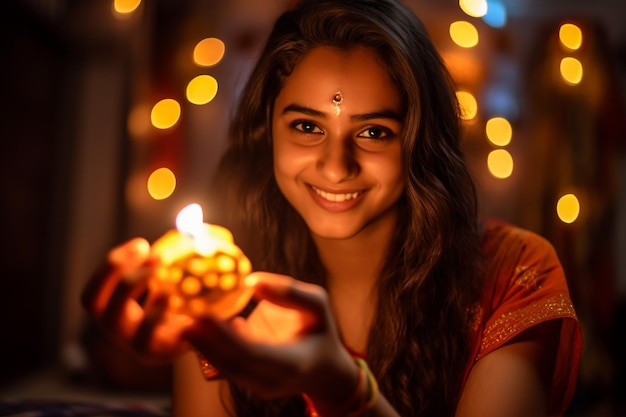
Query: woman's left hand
[288,345]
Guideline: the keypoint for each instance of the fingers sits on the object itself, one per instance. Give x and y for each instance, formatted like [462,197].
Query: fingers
[221,346]
[142,339]
[290,293]
[120,298]
[102,283]
[130,254]
[268,370]
[112,292]
[122,313]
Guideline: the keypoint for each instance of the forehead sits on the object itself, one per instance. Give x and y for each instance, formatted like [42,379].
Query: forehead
[358,73]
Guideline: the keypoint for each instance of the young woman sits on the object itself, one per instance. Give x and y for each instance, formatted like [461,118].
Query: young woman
[344,175]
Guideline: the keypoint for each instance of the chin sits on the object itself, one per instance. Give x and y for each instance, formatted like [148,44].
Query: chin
[332,232]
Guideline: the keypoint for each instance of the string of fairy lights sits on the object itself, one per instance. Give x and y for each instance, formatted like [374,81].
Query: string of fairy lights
[208,52]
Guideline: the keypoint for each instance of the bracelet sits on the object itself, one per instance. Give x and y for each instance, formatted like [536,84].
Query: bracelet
[208,371]
[363,398]
[369,394]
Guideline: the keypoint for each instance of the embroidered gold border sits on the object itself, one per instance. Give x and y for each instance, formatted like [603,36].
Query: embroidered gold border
[509,324]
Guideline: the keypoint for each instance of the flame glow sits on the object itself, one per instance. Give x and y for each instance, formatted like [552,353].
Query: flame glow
[189,219]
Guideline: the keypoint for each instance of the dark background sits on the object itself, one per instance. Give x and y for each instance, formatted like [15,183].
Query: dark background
[71,74]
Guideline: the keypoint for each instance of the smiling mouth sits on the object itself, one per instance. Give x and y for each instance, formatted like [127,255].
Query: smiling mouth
[336,197]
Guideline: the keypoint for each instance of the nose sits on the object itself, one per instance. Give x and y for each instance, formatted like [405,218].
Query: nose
[337,161]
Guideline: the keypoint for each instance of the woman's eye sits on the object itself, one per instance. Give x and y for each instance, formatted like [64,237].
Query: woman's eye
[307,127]
[375,133]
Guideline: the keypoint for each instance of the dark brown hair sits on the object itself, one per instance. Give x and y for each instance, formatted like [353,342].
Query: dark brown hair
[418,344]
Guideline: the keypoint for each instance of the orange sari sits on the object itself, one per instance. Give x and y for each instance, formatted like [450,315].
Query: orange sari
[525,285]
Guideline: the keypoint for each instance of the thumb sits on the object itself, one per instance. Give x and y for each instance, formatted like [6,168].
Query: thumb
[288,292]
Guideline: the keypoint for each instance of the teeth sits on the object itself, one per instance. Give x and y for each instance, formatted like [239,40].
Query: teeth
[336,197]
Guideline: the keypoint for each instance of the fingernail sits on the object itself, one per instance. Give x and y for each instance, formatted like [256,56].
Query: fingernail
[250,280]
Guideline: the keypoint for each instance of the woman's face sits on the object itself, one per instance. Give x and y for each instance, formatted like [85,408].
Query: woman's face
[336,129]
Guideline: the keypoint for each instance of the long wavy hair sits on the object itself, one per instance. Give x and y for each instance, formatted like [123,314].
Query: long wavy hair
[418,343]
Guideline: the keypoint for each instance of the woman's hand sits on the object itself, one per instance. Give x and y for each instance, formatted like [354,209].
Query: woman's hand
[112,298]
[288,345]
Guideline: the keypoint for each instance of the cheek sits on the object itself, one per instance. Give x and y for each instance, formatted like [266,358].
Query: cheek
[388,169]
[290,159]
[282,160]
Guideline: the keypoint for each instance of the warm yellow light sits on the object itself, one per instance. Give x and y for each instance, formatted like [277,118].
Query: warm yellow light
[570,36]
[165,113]
[469,105]
[139,121]
[464,34]
[500,163]
[571,70]
[202,89]
[208,52]
[189,219]
[125,6]
[568,208]
[499,131]
[161,183]
[190,285]
[474,8]
[228,282]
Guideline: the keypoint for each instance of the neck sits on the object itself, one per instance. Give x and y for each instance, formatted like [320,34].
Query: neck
[358,259]
[353,268]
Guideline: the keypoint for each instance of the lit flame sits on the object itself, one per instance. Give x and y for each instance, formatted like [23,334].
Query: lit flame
[189,221]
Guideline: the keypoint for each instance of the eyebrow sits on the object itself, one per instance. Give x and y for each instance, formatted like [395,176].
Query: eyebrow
[383,114]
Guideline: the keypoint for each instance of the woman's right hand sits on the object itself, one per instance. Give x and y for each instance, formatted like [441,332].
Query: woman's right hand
[118,297]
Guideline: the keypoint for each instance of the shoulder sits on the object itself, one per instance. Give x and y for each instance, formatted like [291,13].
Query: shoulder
[524,283]
[500,239]
[525,286]
[521,270]
[512,255]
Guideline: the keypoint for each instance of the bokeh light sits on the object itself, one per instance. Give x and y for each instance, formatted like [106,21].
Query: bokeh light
[202,89]
[571,70]
[208,52]
[464,34]
[138,121]
[499,131]
[468,103]
[125,6]
[570,36]
[496,14]
[568,208]
[165,113]
[474,8]
[161,183]
[500,163]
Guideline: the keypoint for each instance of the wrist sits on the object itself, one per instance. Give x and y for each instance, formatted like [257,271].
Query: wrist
[362,397]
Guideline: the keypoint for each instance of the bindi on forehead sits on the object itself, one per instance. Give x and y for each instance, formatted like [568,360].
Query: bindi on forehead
[337,100]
